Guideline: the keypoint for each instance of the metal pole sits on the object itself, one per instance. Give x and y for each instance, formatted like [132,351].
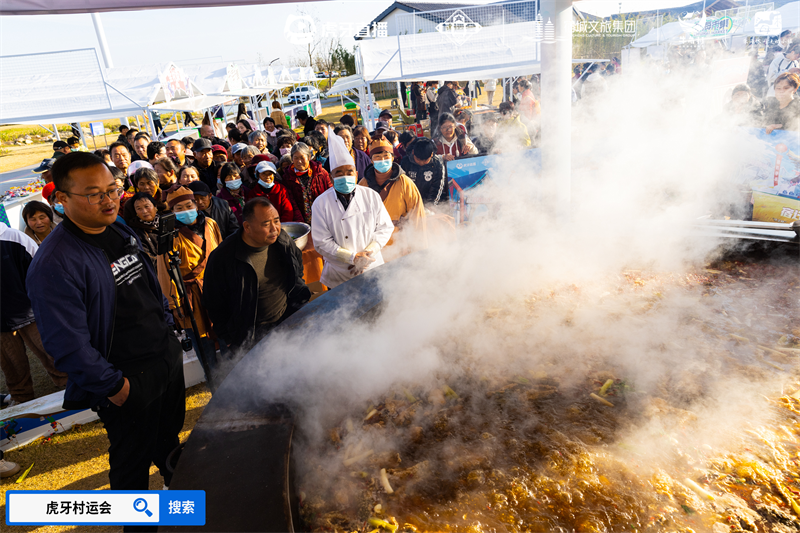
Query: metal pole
[556,104]
[55,132]
[104,51]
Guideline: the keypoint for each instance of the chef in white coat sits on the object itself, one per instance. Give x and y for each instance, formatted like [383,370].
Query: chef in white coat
[349,223]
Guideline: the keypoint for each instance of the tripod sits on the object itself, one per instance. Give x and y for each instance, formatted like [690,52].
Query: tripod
[166,233]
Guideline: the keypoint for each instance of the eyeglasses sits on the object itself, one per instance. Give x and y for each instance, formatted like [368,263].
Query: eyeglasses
[98,197]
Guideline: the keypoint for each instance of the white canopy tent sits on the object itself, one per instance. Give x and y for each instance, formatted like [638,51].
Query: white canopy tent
[790,16]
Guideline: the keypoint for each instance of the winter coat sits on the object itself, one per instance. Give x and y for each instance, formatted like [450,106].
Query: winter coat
[73,293]
[17,251]
[430,179]
[402,201]
[193,252]
[447,100]
[319,183]
[231,287]
[148,238]
[237,207]
[280,199]
[221,212]
[208,175]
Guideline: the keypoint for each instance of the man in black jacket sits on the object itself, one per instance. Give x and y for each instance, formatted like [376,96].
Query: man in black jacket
[447,98]
[254,280]
[214,207]
[207,169]
[309,123]
[428,172]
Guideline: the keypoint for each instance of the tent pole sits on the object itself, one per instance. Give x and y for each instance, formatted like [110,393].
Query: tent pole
[55,132]
[557,106]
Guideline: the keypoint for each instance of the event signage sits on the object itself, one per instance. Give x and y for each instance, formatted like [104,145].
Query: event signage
[97,128]
[175,83]
[773,174]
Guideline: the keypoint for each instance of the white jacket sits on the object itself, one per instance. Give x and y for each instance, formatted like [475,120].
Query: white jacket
[490,85]
[335,230]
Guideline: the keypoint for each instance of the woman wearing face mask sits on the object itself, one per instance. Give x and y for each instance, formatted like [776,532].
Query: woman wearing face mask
[234,191]
[400,196]
[783,111]
[284,145]
[145,223]
[305,180]
[197,237]
[274,192]
[38,219]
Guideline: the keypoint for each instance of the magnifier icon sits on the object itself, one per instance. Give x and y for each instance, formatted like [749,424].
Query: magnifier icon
[140,505]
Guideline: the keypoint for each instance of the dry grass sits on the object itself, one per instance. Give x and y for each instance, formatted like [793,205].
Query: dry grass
[78,460]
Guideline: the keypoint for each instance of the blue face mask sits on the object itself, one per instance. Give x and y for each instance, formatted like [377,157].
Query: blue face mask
[382,166]
[265,184]
[187,217]
[233,184]
[344,184]
[59,208]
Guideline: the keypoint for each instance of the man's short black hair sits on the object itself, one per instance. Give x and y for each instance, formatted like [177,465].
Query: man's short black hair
[72,161]
[142,135]
[784,33]
[154,148]
[131,132]
[177,141]
[117,145]
[322,122]
[315,140]
[347,120]
[250,207]
[405,138]
[73,140]
[424,148]
[302,114]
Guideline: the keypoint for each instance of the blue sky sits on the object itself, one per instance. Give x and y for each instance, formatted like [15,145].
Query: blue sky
[219,33]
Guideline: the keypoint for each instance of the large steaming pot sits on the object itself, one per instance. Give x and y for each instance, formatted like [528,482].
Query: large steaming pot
[240,449]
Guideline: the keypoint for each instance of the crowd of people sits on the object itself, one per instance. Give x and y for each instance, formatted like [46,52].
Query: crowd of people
[88,290]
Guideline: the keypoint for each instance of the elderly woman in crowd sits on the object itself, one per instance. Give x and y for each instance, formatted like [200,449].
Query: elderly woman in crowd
[274,192]
[167,172]
[197,237]
[38,219]
[145,222]
[305,180]
[361,158]
[233,191]
[186,175]
[451,141]
[145,180]
[361,139]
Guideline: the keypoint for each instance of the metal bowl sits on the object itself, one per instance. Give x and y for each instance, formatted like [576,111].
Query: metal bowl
[298,231]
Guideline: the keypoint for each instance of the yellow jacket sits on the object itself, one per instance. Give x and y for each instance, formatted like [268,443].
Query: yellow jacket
[404,204]
[192,251]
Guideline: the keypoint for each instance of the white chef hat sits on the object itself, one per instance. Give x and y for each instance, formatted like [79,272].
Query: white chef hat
[338,153]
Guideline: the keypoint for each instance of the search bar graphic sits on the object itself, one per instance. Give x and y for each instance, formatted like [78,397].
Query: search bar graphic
[106,507]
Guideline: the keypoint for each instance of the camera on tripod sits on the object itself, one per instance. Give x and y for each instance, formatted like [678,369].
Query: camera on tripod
[164,247]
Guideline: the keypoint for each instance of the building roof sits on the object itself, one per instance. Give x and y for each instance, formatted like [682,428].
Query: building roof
[430,9]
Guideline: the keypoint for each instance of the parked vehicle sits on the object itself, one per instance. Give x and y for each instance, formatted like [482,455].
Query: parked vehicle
[302,94]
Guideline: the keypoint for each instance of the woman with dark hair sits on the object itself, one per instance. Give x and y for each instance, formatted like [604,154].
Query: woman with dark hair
[244,127]
[242,112]
[783,111]
[123,183]
[451,141]
[361,158]
[234,191]
[144,221]
[283,146]
[145,181]
[38,219]
[361,139]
